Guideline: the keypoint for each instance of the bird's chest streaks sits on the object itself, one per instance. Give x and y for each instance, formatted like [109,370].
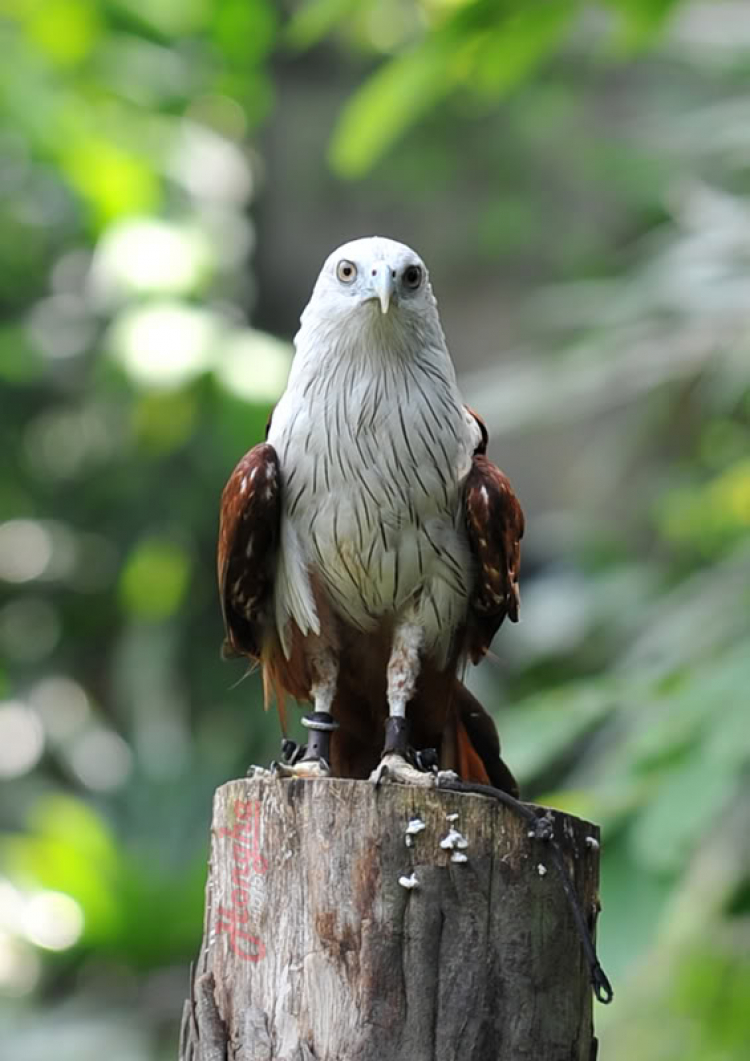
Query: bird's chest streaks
[371,486]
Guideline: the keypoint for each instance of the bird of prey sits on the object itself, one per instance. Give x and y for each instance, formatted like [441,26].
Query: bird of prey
[369,548]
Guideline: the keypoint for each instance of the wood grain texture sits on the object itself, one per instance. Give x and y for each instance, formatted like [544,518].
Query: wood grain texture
[313,950]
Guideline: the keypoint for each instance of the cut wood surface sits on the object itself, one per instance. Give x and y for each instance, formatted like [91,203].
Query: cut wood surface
[335,929]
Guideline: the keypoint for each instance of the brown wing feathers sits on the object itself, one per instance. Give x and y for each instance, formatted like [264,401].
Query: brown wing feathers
[495,525]
[248,539]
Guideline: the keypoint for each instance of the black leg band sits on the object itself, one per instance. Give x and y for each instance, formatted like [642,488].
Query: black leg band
[321,726]
[396,736]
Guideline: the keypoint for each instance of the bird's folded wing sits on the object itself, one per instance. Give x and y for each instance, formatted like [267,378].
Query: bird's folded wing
[248,541]
[494,524]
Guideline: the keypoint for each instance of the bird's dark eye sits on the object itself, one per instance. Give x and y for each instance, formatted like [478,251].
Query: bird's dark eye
[412,277]
[346,271]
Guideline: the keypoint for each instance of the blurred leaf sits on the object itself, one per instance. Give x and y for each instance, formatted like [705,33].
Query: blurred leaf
[141,255]
[245,29]
[545,725]
[713,515]
[139,909]
[479,47]
[509,51]
[642,18]
[397,95]
[165,344]
[111,179]
[65,30]
[19,363]
[633,903]
[162,422]
[314,19]
[154,580]
[254,366]
[169,17]
[738,903]
[69,849]
[689,798]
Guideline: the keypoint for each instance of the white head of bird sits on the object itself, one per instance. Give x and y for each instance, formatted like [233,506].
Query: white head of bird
[372,292]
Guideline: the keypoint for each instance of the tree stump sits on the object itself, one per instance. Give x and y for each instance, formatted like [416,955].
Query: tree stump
[413,924]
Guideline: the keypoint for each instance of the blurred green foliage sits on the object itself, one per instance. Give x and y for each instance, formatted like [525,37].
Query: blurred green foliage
[608,145]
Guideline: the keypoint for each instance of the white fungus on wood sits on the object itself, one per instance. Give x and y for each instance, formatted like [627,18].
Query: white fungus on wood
[541,870]
[415,826]
[452,817]
[409,882]
[459,856]
[453,840]
[592,842]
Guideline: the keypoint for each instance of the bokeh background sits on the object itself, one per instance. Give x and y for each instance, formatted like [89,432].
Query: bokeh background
[172,174]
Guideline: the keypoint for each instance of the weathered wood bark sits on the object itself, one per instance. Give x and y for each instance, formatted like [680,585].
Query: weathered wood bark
[315,948]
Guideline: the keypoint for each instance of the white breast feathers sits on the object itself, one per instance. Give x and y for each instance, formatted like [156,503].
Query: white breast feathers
[372,464]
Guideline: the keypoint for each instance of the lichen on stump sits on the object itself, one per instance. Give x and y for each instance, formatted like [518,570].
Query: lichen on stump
[335,931]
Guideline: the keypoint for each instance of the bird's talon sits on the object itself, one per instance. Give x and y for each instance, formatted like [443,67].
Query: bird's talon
[426,759]
[379,774]
[291,751]
[394,767]
[260,771]
[305,768]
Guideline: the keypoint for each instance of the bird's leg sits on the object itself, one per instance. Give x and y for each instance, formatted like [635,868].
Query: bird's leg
[403,671]
[320,722]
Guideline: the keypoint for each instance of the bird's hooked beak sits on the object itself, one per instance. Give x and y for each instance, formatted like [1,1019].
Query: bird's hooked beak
[382,285]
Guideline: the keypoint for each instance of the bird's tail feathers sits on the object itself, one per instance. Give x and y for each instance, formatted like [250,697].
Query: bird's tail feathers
[478,745]
[470,766]
[272,686]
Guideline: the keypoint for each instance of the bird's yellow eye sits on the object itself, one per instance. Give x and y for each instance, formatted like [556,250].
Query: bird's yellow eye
[412,277]
[346,271]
